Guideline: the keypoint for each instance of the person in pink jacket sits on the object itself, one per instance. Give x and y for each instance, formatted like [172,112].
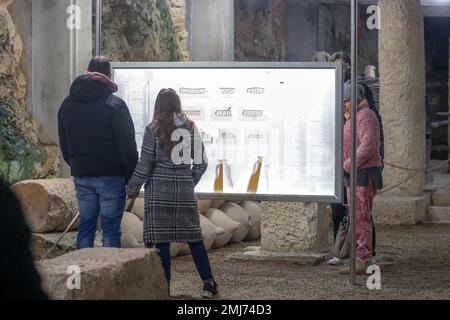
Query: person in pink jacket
[369,166]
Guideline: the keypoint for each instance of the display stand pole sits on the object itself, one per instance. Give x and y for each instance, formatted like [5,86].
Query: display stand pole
[98,28]
[353,173]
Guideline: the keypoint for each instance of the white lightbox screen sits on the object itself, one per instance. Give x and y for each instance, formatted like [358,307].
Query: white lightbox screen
[269,133]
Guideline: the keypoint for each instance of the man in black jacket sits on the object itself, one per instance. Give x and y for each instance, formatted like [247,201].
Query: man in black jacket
[97,140]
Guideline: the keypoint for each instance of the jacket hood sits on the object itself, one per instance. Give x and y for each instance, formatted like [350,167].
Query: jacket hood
[180,120]
[85,89]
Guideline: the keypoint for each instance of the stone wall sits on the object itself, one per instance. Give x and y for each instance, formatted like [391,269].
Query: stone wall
[178,12]
[260,30]
[143,30]
[22,154]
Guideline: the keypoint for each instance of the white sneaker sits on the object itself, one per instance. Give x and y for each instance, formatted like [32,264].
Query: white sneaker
[335,261]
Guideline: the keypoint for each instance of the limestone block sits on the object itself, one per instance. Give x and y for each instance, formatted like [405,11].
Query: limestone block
[441,198]
[48,205]
[210,232]
[106,274]
[221,220]
[129,241]
[204,205]
[235,212]
[133,225]
[217,203]
[174,249]
[254,210]
[184,249]
[42,242]
[138,208]
[438,215]
[294,227]
[395,210]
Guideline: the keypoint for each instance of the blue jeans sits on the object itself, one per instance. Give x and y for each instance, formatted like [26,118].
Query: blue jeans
[199,254]
[104,196]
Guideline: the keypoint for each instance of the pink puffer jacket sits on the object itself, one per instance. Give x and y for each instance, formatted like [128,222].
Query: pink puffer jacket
[368,141]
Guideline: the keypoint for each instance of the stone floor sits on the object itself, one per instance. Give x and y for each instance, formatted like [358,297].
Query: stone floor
[421,271]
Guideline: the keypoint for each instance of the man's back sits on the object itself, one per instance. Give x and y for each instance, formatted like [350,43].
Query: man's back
[97,134]
[97,140]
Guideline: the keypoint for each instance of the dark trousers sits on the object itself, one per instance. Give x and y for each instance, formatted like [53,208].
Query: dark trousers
[338,212]
[199,254]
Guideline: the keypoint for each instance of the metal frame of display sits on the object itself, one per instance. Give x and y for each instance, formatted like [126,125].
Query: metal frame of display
[353,171]
[337,198]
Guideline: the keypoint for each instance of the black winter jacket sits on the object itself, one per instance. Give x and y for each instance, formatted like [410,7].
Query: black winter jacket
[96,132]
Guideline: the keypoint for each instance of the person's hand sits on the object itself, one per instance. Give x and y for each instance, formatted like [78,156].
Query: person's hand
[129,203]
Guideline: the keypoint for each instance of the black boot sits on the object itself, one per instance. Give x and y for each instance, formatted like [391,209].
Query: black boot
[210,289]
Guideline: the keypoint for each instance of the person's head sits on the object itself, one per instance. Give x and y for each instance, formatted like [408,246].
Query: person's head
[100,64]
[167,104]
[342,57]
[360,96]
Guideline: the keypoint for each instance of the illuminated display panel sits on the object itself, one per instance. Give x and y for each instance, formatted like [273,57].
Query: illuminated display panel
[272,131]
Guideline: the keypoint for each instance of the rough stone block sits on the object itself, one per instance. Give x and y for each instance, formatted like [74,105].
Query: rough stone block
[395,210]
[441,198]
[42,242]
[48,205]
[106,274]
[438,214]
[294,227]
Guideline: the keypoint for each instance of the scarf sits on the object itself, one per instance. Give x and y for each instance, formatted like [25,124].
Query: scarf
[97,76]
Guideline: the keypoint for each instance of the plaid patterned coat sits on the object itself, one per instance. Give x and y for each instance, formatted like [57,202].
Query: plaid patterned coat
[171,212]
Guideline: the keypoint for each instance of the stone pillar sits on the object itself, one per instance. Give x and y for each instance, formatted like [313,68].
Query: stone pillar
[212,30]
[62,48]
[402,95]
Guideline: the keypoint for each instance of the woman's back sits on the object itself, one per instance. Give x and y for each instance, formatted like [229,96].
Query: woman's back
[180,155]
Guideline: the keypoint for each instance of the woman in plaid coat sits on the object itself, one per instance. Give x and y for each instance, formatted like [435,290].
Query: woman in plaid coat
[170,171]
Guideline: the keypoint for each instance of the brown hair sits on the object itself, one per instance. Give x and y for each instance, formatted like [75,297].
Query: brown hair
[100,64]
[167,104]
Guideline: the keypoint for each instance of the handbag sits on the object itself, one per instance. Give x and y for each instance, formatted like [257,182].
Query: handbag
[342,244]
